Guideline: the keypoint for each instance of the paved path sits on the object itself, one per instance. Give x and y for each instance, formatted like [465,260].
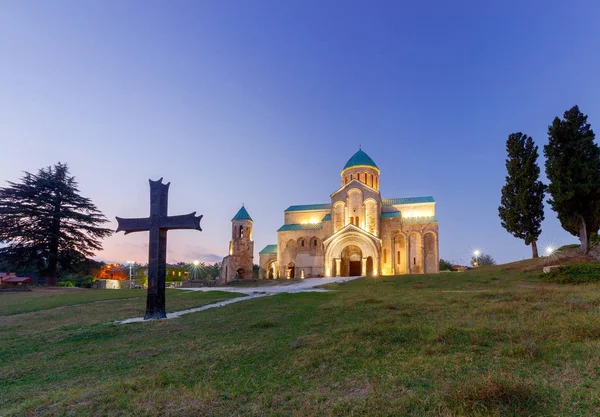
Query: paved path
[307,285]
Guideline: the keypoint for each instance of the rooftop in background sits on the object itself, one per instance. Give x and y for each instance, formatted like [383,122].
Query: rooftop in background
[242,214]
[407,200]
[268,249]
[360,158]
[385,202]
[309,207]
[307,226]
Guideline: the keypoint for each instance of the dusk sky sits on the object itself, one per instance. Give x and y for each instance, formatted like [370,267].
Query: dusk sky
[263,102]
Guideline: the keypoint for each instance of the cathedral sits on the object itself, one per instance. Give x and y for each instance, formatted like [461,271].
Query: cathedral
[357,233]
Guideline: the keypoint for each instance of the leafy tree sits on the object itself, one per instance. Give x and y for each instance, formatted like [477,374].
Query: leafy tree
[483,260]
[573,168]
[522,203]
[445,265]
[46,223]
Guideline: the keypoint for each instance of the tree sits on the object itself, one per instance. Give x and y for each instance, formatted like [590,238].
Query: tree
[445,265]
[522,203]
[483,260]
[46,223]
[573,168]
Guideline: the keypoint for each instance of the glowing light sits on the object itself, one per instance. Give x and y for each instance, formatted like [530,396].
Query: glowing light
[196,263]
[549,250]
[476,252]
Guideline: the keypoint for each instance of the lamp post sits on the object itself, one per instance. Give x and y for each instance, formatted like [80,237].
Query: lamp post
[130,266]
[476,253]
[196,263]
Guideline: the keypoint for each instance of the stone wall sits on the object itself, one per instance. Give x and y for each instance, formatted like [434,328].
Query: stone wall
[409,248]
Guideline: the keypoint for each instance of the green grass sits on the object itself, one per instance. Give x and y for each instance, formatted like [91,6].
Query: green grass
[488,342]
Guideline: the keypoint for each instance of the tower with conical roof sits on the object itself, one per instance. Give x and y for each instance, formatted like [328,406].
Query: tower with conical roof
[362,168]
[238,264]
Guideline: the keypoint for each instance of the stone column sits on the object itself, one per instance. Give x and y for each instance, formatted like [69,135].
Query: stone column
[338,267]
[364,267]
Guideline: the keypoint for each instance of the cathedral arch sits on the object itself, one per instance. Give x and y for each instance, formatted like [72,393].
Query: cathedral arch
[355,204]
[368,247]
[430,248]
[371,216]
[400,253]
[415,251]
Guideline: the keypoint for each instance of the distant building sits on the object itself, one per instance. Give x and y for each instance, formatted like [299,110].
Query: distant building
[11,279]
[357,233]
[238,264]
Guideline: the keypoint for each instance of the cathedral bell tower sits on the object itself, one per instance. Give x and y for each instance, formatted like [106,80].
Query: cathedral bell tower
[238,264]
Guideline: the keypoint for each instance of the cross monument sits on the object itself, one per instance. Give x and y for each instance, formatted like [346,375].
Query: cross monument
[158,224]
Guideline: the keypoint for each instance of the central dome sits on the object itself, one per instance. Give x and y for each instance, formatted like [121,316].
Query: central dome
[360,159]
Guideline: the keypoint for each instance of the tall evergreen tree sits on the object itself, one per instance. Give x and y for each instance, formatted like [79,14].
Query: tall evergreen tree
[45,222]
[573,168]
[522,204]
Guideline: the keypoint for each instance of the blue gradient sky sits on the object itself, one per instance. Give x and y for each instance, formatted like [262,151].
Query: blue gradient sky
[262,102]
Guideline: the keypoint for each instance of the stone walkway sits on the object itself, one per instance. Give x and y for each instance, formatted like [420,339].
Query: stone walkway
[307,285]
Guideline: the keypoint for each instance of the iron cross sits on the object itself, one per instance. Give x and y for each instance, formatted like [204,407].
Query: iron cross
[158,224]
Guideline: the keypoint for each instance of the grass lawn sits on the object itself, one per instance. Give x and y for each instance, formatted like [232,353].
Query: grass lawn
[485,342]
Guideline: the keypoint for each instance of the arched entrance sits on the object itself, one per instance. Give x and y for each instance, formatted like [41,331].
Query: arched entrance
[351,245]
[291,270]
[240,273]
[271,270]
[351,261]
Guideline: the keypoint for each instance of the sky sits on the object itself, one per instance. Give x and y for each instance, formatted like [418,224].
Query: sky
[262,103]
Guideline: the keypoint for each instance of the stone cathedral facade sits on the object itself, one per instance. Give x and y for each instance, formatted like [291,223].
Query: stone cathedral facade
[357,233]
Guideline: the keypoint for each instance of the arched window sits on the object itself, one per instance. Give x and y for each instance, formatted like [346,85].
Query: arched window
[302,243]
[315,242]
[241,231]
[385,256]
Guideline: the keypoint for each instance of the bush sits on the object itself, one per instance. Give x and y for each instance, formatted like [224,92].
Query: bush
[66,284]
[579,273]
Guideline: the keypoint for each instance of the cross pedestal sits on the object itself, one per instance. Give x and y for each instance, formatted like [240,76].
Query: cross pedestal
[158,224]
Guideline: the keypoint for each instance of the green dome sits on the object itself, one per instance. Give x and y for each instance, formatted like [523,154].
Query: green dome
[242,214]
[360,158]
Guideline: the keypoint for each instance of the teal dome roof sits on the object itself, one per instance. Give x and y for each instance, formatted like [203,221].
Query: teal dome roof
[360,158]
[242,214]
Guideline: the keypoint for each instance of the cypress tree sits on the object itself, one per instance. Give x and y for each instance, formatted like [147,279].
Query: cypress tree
[46,223]
[573,168]
[522,203]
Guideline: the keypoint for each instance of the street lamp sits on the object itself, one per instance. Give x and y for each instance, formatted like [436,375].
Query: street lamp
[130,266]
[476,253]
[196,264]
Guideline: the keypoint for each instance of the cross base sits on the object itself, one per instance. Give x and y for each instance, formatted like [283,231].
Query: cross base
[155,307]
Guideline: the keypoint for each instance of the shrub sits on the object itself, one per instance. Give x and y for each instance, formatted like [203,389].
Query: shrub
[445,265]
[579,273]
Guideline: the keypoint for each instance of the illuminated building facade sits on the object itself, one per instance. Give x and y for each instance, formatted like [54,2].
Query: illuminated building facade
[357,233]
